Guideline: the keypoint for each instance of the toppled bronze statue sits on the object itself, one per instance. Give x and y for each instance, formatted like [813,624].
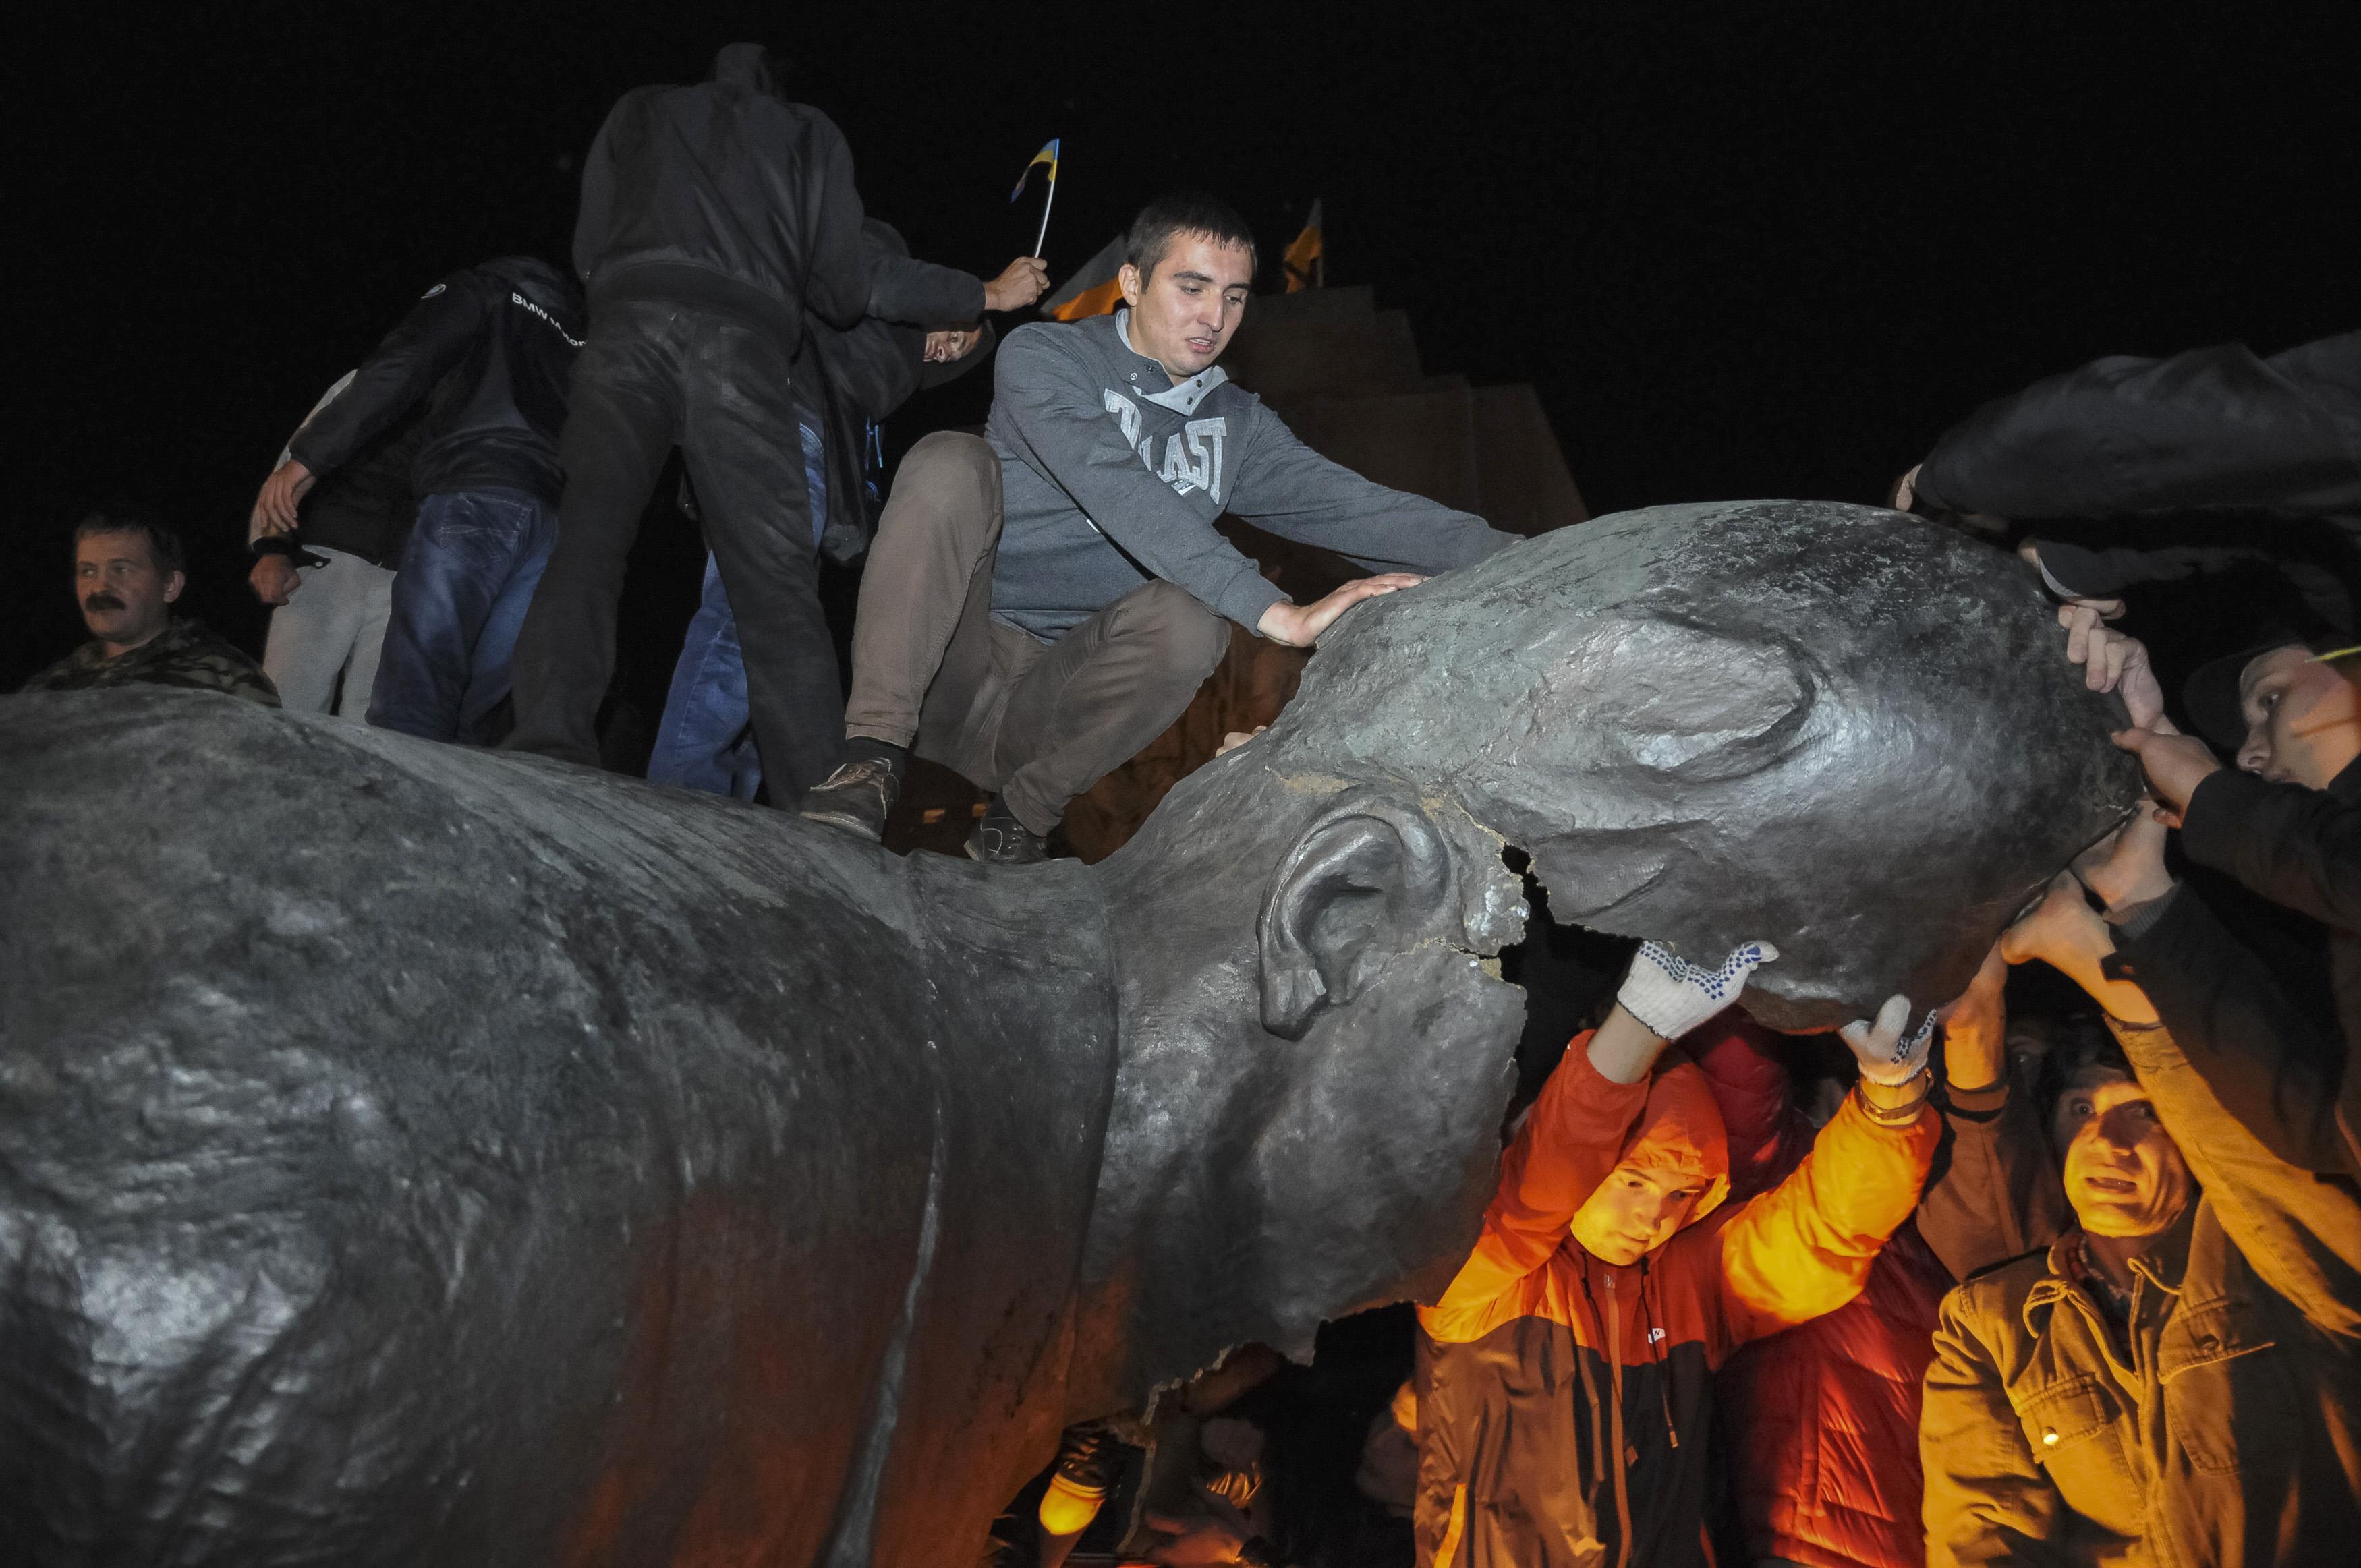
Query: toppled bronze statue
[412,1154]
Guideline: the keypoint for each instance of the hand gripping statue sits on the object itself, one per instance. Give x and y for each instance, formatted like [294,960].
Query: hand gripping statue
[411,1153]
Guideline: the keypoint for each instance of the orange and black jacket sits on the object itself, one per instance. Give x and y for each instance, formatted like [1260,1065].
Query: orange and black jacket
[1565,1404]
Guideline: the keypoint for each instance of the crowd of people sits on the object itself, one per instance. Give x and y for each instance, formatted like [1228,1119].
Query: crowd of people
[2052,1272]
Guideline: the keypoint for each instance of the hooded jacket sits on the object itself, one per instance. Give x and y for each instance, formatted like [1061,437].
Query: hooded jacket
[1111,476]
[725,195]
[1826,1414]
[1566,1405]
[489,353]
[2222,1425]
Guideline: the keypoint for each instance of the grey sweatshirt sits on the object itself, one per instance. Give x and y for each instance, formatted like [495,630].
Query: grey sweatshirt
[1111,475]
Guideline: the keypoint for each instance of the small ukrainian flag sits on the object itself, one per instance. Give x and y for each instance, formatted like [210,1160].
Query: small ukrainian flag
[1048,155]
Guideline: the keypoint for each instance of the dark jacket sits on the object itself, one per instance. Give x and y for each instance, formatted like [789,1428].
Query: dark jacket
[2222,1428]
[489,353]
[1566,1405]
[856,379]
[2279,1073]
[727,196]
[2212,430]
[185,654]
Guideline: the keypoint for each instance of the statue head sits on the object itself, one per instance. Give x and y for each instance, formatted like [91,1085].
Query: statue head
[1848,731]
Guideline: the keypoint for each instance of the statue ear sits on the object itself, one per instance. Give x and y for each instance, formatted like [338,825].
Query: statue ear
[1368,878]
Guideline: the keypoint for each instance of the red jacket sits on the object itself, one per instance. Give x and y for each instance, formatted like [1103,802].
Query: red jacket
[1823,1418]
[1566,1405]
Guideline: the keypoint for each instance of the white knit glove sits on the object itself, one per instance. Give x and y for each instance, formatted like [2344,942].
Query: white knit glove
[1672,996]
[1885,1057]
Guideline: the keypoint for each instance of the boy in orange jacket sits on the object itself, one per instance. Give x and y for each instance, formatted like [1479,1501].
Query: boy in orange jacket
[1565,1377]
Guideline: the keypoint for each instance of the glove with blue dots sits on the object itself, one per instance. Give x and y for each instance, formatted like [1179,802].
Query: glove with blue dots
[1886,1056]
[1672,996]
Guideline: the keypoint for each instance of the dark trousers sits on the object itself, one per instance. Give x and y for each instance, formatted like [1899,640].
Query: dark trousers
[651,377]
[471,568]
[1039,722]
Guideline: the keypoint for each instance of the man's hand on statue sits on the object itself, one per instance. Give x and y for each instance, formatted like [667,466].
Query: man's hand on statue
[1238,738]
[1975,1027]
[2060,931]
[2175,764]
[2126,866]
[2064,932]
[948,345]
[1020,283]
[274,508]
[274,578]
[2113,662]
[1299,625]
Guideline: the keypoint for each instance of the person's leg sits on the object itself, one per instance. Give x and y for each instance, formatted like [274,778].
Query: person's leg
[531,529]
[622,416]
[739,403]
[935,542]
[460,555]
[1099,694]
[705,714]
[368,640]
[313,632]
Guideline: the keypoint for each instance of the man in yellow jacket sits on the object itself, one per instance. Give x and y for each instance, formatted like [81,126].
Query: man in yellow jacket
[2177,1379]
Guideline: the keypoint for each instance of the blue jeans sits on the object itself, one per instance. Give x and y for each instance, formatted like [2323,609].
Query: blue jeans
[459,598]
[706,740]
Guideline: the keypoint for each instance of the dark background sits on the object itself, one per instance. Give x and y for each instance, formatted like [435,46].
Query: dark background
[1740,250]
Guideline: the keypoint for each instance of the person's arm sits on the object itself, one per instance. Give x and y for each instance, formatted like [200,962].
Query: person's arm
[2215,427]
[2301,1234]
[1988,1498]
[1570,1141]
[1805,1248]
[1284,486]
[2294,846]
[1995,1192]
[836,276]
[435,336]
[1050,410]
[921,294]
[2276,1070]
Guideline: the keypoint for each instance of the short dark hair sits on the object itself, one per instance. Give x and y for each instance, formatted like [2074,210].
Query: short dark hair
[1184,212]
[2078,1043]
[164,545]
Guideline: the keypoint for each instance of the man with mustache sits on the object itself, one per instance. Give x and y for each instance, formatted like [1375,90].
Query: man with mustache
[127,574]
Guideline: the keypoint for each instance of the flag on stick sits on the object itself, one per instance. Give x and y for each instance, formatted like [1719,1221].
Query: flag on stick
[1094,289]
[1048,155]
[1306,260]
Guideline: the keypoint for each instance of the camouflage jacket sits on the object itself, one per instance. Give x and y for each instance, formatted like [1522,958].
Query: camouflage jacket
[183,654]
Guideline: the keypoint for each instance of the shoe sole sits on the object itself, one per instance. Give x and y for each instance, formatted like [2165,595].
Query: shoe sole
[844,823]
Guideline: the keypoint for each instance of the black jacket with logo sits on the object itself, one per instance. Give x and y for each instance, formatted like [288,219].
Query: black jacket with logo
[727,196]
[489,352]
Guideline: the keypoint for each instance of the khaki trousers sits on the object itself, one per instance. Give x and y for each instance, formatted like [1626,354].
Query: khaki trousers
[1035,722]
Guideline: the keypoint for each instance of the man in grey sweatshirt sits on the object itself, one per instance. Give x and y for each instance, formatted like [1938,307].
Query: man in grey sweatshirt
[1044,601]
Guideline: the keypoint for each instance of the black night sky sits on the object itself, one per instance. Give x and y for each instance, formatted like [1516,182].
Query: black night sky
[1741,251]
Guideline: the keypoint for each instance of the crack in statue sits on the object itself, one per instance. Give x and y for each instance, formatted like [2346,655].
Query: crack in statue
[411,1154]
